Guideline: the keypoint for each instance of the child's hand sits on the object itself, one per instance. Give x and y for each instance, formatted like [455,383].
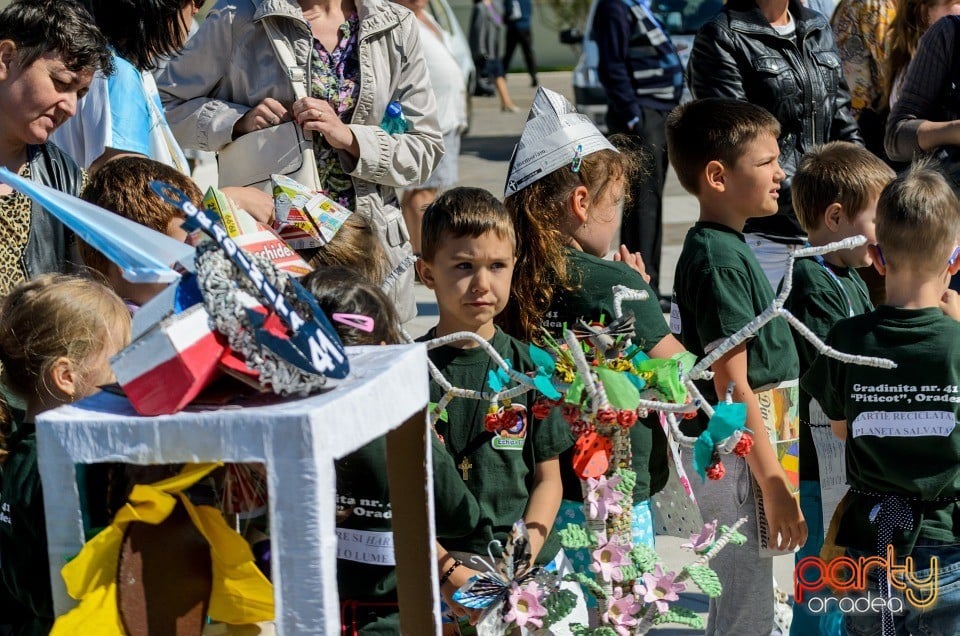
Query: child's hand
[782,509]
[633,259]
[950,304]
[457,580]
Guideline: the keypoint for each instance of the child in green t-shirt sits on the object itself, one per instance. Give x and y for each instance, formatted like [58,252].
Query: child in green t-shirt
[567,215]
[57,334]
[835,191]
[725,153]
[366,577]
[468,255]
[900,425]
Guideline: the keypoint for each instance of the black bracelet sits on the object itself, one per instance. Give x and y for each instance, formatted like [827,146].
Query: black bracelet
[446,575]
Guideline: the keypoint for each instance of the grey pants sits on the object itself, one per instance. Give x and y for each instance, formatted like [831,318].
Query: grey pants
[745,608]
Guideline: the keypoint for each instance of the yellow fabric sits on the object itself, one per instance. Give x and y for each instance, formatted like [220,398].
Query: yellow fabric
[241,594]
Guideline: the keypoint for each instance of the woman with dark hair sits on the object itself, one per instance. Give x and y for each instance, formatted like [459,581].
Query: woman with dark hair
[926,118]
[116,116]
[49,51]
[780,55]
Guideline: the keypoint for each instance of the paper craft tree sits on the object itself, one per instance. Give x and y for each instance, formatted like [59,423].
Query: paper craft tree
[607,384]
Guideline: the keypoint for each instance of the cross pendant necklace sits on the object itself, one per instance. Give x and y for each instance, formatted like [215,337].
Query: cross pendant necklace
[465,467]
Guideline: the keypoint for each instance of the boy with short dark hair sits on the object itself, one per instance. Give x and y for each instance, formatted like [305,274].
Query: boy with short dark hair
[900,425]
[469,247]
[725,153]
[835,192]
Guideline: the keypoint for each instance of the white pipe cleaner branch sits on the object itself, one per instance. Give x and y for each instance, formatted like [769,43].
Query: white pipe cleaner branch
[776,309]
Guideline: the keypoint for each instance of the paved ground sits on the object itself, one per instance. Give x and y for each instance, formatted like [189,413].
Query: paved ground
[485,153]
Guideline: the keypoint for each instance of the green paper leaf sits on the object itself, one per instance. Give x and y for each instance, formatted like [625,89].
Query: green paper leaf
[644,558]
[558,606]
[604,631]
[685,361]
[432,407]
[620,391]
[681,616]
[628,479]
[577,629]
[735,537]
[586,581]
[705,578]
[574,537]
[575,392]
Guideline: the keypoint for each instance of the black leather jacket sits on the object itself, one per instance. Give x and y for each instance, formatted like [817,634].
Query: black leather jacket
[49,243]
[739,55]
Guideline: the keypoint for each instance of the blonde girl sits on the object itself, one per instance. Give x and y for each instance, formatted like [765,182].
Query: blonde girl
[57,334]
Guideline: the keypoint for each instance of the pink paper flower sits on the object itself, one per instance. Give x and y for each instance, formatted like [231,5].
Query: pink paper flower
[701,542]
[603,498]
[609,558]
[621,612]
[525,606]
[659,588]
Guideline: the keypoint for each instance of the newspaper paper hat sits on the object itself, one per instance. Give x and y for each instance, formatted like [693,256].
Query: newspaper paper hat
[554,136]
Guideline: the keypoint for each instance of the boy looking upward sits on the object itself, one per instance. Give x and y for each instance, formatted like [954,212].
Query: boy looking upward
[835,192]
[902,442]
[725,153]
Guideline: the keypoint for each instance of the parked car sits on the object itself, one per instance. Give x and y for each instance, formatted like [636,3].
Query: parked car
[459,45]
[681,18]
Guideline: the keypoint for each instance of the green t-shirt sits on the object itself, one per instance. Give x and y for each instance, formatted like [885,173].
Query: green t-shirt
[363,503]
[23,533]
[719,287]
[499,468]
[593,280]
[901,423]
[820,298]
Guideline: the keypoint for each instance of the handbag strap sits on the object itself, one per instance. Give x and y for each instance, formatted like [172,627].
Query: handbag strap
[298,77]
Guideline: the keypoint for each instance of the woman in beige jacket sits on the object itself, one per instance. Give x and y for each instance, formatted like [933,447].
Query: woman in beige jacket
[358,56]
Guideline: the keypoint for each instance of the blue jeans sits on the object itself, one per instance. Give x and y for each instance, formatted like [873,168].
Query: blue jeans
[941,619]
[806,622]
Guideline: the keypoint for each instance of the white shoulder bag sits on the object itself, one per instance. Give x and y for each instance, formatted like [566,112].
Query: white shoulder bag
[283,149]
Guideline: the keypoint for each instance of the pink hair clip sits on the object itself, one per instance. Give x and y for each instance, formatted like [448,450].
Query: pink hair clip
[355,321]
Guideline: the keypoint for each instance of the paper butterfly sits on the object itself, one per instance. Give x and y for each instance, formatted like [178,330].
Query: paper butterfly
[489,590]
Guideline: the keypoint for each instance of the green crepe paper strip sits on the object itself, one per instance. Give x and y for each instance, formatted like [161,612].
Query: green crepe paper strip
[628,479]
[586,581]
[727,418]
[575,537]
[735,537]
[643,558]
[621,393]
[432,407]
[575,392]
[705,578]
[558,606]
[629,572]
[681,616]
